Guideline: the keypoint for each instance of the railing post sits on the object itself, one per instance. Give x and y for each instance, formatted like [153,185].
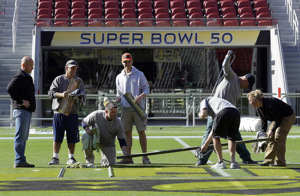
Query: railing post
[194,111]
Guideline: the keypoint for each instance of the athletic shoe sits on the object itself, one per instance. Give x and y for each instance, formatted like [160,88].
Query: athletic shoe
[249,161]
[126,161]
[264,164]
[234,165]
[71,161]
[199,162]
[218,165]
[104,162]
[146,160]
[54,161]
[23,164]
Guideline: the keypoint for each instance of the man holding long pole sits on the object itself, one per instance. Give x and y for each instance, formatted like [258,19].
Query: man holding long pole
[231,89]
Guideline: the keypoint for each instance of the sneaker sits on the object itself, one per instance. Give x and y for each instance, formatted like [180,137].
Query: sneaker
[23,164]
[71,161]
[146,160]
[249,161]
[234,165]
[126,160]
[264,164]
[199,162]
[104,162]
[218,165]
[54,161]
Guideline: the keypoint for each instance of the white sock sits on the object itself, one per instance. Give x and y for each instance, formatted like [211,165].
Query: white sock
[71,155]
[55,155]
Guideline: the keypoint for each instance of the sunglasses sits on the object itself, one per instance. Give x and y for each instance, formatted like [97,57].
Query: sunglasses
[126,61]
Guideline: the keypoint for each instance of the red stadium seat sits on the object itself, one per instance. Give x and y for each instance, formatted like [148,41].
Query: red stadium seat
[213,23]
[177,10]
[210,4]
[128,11]
[45,4]
[260,4]
[62,4]
[95,4]
[179,20]
[227,10]
[244,3]
[145,24]
[146,17]
[260,10]
[162,19]
[231,23]
[144,4]
[61,11]
[244,10]
[247,16]
[194,10]
[158,4]
[95,11]
[175,4]
[144,11]
[227,4]
[112,11]
[247,23]
[112,20]
[128,4]
[161,10]
[95,20]
[111,4]
[211,10]
[78,4]
[46,11]
[196,23]
[78,20]
[264,23]
[43,20]
[192,4]
[61,20]
[67,1]
[78,11]
[213,19]
[230,17]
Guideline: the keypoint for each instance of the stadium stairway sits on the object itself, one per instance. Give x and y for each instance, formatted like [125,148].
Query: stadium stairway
[290,51]
[10,61]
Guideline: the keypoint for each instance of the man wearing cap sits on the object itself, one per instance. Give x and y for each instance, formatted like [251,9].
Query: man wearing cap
[61,122]
[109,127]
[231,89]
[134,81]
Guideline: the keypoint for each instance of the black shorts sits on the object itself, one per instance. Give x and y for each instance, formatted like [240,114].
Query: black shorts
[226,124]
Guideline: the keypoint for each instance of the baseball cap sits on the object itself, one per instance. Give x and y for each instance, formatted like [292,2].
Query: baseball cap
[251,80]
[71,63]
[111,103]
[126,57]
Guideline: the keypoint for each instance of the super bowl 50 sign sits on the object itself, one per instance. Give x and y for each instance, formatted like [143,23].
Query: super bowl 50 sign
[160,38]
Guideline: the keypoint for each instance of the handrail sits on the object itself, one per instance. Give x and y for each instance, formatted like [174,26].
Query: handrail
[293,20]
[189,100]
[15,25]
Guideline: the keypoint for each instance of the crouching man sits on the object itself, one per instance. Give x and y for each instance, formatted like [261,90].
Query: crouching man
[226,122]
[109,127]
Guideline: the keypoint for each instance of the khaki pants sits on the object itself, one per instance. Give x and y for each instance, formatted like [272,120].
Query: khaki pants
[108,154]
[277,144]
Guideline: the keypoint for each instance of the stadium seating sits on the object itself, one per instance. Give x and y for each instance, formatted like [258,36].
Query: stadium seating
[78,20]
[43,20]
[246,12]
[95,20]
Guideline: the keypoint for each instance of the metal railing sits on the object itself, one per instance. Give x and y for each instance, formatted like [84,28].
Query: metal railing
[293,20]
[173,106]
[15,25]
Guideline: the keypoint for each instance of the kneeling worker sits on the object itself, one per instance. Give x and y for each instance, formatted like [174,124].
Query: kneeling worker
[109,127]
[226,122]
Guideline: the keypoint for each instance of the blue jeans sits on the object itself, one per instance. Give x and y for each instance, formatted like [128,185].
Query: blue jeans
[240,149]
[23,119]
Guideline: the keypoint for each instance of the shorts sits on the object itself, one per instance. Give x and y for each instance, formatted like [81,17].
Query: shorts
[129,116]
[226,124]
[62,123]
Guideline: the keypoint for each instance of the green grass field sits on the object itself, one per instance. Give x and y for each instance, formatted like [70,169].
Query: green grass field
[169,174]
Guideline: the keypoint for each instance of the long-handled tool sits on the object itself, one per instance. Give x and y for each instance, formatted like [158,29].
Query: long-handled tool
[190,148]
